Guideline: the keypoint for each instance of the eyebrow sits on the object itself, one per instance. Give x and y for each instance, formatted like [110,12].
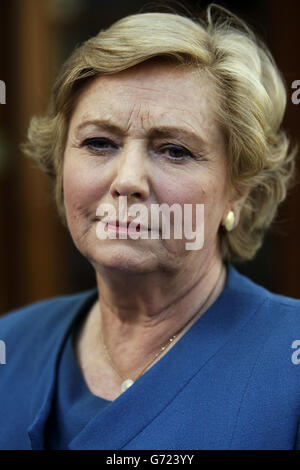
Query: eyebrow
[103,124]
[154,132]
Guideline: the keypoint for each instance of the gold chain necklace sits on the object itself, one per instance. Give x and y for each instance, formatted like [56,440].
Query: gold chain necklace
[127,382]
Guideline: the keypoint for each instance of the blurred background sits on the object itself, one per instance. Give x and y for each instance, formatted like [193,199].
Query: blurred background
[38,259]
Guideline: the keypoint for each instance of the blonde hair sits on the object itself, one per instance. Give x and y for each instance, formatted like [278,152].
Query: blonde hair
[246,80]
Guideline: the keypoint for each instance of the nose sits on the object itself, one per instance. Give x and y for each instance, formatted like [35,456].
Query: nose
[131,176]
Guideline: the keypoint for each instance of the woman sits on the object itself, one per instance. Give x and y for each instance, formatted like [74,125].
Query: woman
[174,349]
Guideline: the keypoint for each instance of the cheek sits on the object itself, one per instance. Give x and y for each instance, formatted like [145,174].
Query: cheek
[80,189]
[179,188]
[186,189]
[204,189]
[78,201]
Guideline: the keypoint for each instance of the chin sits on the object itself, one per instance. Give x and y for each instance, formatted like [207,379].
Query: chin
[123,258]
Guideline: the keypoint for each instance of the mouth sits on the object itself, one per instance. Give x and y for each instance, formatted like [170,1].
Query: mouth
[126,227]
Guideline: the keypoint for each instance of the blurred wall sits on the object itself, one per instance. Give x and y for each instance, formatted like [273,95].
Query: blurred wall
[38,259]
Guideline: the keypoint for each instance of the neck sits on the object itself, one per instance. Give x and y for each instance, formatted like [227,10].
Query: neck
[137,319]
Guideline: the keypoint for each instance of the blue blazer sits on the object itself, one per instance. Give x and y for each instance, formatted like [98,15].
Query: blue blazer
[231,382]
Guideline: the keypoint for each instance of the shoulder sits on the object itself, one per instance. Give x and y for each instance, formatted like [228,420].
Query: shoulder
[241,287]
[269,321]
[267,353]
[273,328]
[43,315]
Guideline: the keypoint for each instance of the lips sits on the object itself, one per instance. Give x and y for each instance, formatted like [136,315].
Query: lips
[127,226]
[133,225]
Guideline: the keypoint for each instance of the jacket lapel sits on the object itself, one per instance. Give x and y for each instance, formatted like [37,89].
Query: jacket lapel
[57,324]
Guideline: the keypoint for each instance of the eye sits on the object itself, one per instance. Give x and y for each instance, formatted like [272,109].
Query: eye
[98,144]
[176,152]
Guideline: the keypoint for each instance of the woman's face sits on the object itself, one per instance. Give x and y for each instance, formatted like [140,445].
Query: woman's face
[150,134]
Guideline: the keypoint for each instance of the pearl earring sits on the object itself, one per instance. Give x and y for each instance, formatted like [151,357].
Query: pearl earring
[229,221]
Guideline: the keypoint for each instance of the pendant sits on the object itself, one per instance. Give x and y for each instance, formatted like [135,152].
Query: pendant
[126,384]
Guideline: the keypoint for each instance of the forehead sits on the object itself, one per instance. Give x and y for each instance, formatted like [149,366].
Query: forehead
[151,92]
